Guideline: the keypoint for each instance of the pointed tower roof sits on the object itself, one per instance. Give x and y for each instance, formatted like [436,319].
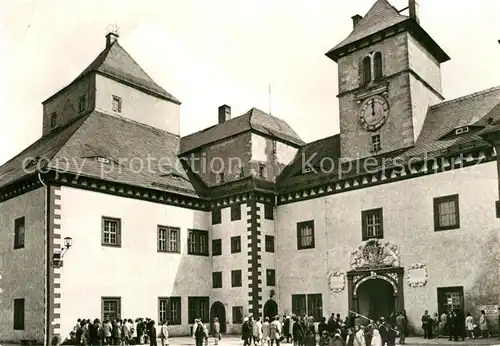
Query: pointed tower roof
[115,63]
[381,17]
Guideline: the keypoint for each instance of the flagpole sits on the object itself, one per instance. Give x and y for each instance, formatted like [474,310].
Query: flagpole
[371,321]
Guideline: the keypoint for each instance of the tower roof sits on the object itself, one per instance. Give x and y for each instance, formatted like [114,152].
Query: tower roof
[115,63]
[382,16]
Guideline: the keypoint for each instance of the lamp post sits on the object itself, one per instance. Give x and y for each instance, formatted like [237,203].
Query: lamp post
[57,257]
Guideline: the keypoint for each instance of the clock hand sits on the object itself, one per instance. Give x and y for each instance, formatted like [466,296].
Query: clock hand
[373,108]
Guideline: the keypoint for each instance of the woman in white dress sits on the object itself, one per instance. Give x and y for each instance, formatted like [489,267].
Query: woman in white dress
[469,326]
[376,339]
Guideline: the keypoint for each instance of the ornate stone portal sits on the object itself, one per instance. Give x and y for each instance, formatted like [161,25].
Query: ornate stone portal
[376,259]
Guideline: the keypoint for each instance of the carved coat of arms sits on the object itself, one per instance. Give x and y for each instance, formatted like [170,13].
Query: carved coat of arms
[336,281]
[374,253]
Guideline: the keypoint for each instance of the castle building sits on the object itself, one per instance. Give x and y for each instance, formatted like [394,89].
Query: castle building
[398,211]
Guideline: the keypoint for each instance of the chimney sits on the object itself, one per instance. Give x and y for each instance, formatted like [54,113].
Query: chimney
[110,38]
[224,113]
[355,20]
[413,8]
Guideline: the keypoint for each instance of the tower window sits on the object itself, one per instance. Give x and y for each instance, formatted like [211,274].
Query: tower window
[219,178]
[376,144]
[366,70]
[117,104]
[53,120]
[377,65]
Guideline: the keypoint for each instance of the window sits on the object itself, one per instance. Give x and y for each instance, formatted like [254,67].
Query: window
[217,279]
[372,224]
[310,304]
[216,247]
[219,178]
[446,213]
[315,306]
[169,309]
[375,144]
[18,314]
[269,243]
[19,231]
[366,70]
[236,212]
[117,104]
[168,239]
[235,278]
[53,120]
[111,232]
[268,212]
[198,308]
[240,172]
[111,308]
[299,305]
[236,244]
[305,235]
[216,216]
[198,242]
[270,277]
[377,65]
[82,104]
[262,171]
[237,314]
[450,298]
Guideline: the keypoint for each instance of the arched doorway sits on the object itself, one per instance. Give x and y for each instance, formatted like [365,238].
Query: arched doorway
[270,309]
[376,298]
[218,310]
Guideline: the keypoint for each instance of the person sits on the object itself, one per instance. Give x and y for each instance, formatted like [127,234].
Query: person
[337,340]
[152,333]
[359,336]
[246,332]
[310,337]
[349,337]
[266,330]
[469,326]
[257,332]
[297,332]
[164,333]
[216,331]
[400,323]
[427,325]
[324,339]
[452,326]
[376,339]
[286,328]
[442,323]
[275,331]
[199,333]
[483,325]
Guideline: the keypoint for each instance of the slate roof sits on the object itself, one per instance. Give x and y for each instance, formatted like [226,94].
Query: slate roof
[254,120]
[382,15]
[116,63]
[436,139]
[128,146]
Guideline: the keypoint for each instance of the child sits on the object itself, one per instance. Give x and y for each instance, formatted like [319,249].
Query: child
[164,333]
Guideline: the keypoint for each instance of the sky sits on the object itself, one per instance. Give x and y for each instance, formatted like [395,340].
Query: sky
[213,52]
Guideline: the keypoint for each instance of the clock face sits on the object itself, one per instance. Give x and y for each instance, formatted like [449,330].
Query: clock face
[374,112]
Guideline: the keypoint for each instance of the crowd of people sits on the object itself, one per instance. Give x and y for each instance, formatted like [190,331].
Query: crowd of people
[353,330]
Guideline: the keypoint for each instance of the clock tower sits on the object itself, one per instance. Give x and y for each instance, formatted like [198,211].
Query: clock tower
[389,74]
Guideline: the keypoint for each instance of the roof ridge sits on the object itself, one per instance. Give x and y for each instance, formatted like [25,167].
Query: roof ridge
[466,97]
[54,133]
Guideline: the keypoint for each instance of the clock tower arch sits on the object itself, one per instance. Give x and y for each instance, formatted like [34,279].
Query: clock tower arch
[389,74]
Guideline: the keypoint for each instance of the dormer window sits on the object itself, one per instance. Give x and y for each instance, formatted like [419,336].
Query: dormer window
[117,104]
[261,171]
[82,104]
[53,120]
[462,130]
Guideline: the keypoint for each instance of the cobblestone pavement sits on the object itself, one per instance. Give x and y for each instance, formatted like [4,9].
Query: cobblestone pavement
[236,341]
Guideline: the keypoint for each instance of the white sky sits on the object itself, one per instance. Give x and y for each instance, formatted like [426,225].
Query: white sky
[211,52]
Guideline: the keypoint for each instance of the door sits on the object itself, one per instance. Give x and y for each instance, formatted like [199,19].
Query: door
[218,311]
[270,309]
